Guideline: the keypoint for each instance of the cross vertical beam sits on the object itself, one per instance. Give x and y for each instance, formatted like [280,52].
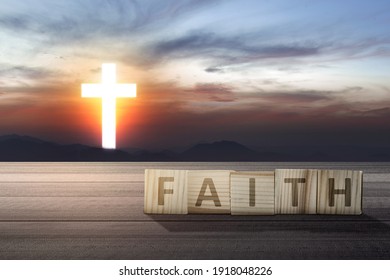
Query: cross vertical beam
[108,91]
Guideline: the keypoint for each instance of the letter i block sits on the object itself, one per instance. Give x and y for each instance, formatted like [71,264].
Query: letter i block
[252,193]
[209,191]
[339,192]
[295,191]
[165,191]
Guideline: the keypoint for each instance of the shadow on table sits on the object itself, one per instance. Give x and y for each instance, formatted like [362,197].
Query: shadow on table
[308,223]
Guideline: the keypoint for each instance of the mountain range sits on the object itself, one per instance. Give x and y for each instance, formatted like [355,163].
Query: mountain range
[26,148]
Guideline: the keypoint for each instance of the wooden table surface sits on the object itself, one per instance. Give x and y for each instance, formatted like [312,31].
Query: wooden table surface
[95,211]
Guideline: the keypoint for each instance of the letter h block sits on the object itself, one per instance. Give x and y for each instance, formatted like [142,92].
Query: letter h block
[295,191]
[165,191]
[339,192]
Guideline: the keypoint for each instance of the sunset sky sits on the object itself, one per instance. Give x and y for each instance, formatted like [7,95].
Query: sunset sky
[260,72]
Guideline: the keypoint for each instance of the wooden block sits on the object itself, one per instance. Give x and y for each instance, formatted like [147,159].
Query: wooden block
[209,191]
[252,193]
[295,191]
[165,191]
[340,192]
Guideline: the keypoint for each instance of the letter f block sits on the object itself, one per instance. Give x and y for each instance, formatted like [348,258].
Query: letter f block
[340,192]
[165,191]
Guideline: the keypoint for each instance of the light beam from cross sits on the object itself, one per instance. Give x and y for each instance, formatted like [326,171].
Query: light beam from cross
[108,91]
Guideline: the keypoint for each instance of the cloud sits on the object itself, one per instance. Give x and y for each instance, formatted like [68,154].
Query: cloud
[299,97]
[94,19]
[213,70]
[26,72]
[226,49]
[217,99]
[145,27]
[380,112]
[348,48]
[353,89]
[210,98]
[166,115]
[38,94]
[257,45]
[213,92]
[15,23]
[194,37]
[176,124]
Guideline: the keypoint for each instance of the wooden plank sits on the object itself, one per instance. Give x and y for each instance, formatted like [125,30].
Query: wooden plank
[72,189]
[70,208]
[291,229]
[73,167]
[193,247]
[70,177]
[295,191]
[252,193]
[376,169]
[340,192]
[131,209]
[209,191]
[95,226]
[165,191]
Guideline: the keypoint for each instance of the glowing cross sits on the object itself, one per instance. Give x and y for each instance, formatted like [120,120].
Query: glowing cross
[108,90]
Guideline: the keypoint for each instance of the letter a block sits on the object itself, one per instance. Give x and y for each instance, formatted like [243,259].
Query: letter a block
[339,192]
[295,191]
[209,191]
[252,193]
[165,192]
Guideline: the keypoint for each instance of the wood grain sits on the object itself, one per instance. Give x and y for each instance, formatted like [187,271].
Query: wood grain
[209,191]
[340,192]
[165,191]
[93,217]
[252,193]
[295,191]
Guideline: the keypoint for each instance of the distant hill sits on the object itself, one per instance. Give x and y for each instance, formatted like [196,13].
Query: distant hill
[26,148]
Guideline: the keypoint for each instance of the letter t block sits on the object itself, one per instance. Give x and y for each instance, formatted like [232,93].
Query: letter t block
[295,191]
[165,191]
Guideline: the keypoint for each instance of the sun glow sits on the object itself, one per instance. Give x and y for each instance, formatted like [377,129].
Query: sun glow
[108,91]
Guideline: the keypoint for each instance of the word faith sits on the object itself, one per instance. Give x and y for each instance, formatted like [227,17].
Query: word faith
[108,91]
[283,191]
